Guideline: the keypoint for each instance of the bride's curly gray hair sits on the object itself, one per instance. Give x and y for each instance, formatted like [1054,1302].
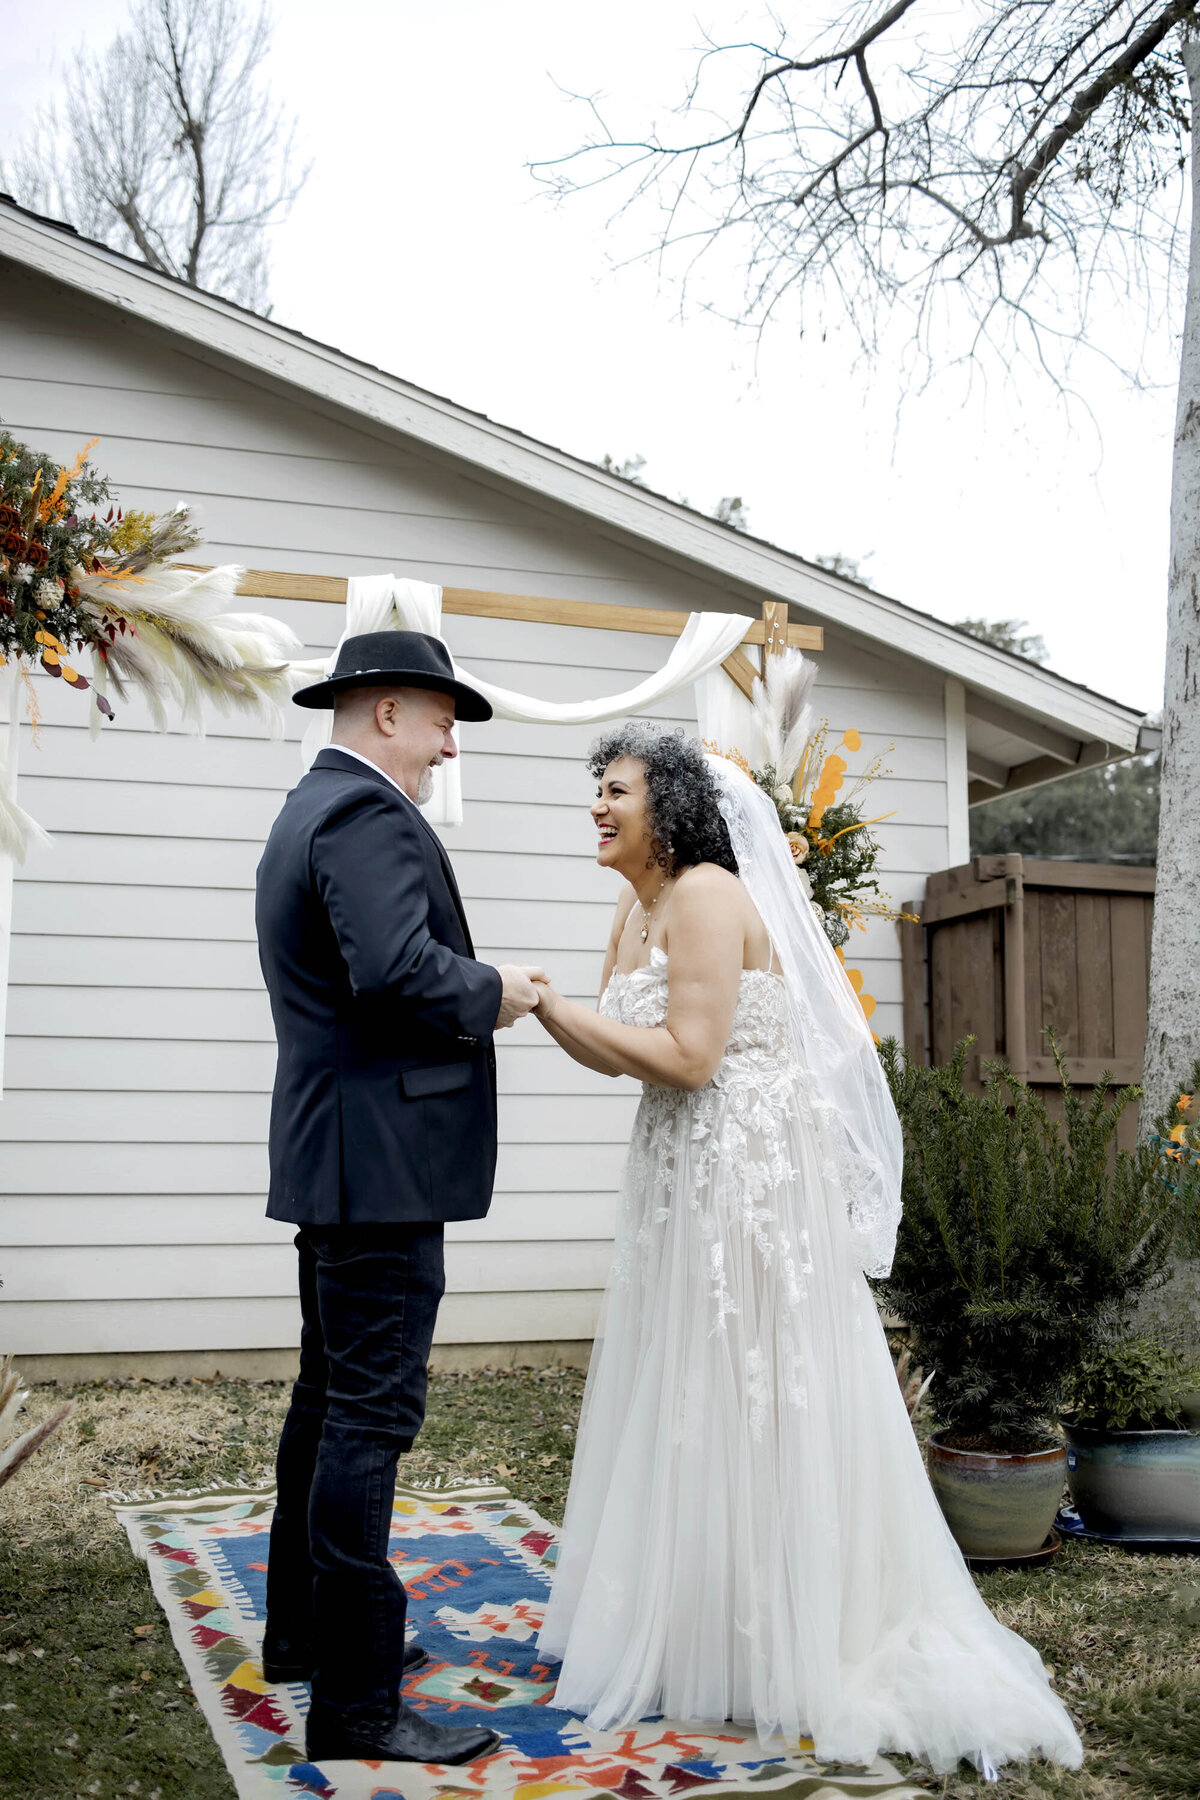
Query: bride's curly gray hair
[681,796]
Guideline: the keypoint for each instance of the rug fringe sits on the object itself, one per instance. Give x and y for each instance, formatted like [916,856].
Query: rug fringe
[242,1485]
[474,1490]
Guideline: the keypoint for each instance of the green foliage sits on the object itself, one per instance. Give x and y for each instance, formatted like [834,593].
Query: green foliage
[628,470]
[848,567]
[836,859]
[1132,1385]
[838,856]
[1024,1243]
[1006,634]
[731,510]
[1099,815]
[844,871]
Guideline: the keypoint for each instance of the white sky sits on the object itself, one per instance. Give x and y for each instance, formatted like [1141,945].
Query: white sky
[422,244]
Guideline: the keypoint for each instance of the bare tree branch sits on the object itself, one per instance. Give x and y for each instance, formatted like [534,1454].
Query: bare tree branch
[172,149]
[1086,102]
[1042,128]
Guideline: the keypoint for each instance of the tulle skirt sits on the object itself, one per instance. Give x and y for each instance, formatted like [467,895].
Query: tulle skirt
[750,1533]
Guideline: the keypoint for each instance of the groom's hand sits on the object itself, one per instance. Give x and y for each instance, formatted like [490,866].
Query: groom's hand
[518,995]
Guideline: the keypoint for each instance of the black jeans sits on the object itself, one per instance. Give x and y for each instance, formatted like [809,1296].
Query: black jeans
[368,1297]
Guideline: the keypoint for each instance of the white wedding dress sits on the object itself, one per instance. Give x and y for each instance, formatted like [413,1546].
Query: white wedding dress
[750,1533]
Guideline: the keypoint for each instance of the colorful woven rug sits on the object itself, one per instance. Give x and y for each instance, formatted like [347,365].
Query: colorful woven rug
[477,1567]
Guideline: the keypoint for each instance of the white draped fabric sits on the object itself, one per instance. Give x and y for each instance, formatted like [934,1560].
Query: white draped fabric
[726,719]
[18,832]
[384,603]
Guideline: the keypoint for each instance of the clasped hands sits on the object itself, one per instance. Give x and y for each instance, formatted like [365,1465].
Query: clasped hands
[524,990]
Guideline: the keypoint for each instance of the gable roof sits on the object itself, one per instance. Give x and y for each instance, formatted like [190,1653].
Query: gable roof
[1071,725]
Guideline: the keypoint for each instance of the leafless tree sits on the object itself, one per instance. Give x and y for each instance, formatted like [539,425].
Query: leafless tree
[169,147]
[1002,162]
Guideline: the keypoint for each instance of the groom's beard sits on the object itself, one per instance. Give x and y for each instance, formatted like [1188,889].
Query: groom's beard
[425,785]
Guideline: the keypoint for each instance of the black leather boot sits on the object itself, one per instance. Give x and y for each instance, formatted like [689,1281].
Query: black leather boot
[284,1661]
[410,1737]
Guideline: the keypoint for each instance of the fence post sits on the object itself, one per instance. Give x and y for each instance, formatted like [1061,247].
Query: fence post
[914,977]
[1016,1044]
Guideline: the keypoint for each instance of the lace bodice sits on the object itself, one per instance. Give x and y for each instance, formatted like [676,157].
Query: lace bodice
[759,1034]
[738,1121]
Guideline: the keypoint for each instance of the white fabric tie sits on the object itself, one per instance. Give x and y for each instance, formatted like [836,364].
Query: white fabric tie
[18,832]
[383,603]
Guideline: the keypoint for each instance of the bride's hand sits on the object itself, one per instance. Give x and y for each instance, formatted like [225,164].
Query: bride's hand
[547,1000]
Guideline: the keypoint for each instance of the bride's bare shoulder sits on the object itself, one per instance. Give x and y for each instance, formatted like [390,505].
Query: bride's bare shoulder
[706,892]
[704,883]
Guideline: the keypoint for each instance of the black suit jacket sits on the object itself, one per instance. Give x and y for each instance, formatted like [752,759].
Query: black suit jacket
[385,1091]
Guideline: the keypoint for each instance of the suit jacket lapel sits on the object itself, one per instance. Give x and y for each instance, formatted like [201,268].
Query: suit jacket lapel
[331,758]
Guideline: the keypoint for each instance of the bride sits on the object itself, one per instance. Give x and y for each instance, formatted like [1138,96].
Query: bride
[749,1533]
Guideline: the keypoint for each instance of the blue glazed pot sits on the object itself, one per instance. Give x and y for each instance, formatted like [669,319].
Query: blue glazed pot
[1135,1484]
[997,1505]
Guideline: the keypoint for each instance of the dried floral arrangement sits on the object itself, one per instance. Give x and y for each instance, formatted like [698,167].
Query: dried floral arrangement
[830,840]
[77,580]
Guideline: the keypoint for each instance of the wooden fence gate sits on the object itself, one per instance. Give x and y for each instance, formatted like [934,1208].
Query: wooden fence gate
[1009,945]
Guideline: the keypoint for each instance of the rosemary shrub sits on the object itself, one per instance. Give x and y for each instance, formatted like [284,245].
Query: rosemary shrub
[1025,1241]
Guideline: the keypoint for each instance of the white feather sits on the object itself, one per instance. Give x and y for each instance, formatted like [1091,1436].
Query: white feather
[19,834]
[784,715]
[185,647]
[12,1397]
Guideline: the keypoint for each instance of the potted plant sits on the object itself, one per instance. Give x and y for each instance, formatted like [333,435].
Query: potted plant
[1025,1242]
[1133,1451]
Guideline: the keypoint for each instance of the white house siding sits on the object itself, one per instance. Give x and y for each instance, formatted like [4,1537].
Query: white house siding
[139,1056]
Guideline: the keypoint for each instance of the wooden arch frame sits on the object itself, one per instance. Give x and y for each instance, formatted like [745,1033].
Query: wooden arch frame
[772,633]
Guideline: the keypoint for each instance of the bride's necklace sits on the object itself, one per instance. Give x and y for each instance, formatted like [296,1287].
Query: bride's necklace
[647,910]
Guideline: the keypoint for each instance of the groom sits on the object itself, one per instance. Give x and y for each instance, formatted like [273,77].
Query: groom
[383,1126]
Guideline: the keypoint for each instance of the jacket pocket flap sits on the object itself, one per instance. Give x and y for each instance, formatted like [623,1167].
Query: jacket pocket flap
[435,1078]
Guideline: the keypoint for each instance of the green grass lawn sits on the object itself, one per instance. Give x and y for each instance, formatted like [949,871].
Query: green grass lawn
[92,1703]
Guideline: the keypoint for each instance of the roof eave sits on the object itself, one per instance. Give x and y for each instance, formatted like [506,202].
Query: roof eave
[219,328]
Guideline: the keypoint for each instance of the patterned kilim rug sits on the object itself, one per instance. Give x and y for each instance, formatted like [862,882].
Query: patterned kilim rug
[477,1567]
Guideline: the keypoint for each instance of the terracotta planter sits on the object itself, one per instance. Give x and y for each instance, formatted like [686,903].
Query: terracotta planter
[998,1504]
[1135,1484]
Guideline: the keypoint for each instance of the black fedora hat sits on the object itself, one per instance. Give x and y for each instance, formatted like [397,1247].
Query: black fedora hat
[395,659]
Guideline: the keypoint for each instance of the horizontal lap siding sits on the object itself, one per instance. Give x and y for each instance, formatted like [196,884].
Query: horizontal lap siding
[140,1054]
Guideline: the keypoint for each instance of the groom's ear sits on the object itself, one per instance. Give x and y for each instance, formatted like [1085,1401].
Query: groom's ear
[387,714]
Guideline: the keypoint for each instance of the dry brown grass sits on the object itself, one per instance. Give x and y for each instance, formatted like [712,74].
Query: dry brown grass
[137,1435]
